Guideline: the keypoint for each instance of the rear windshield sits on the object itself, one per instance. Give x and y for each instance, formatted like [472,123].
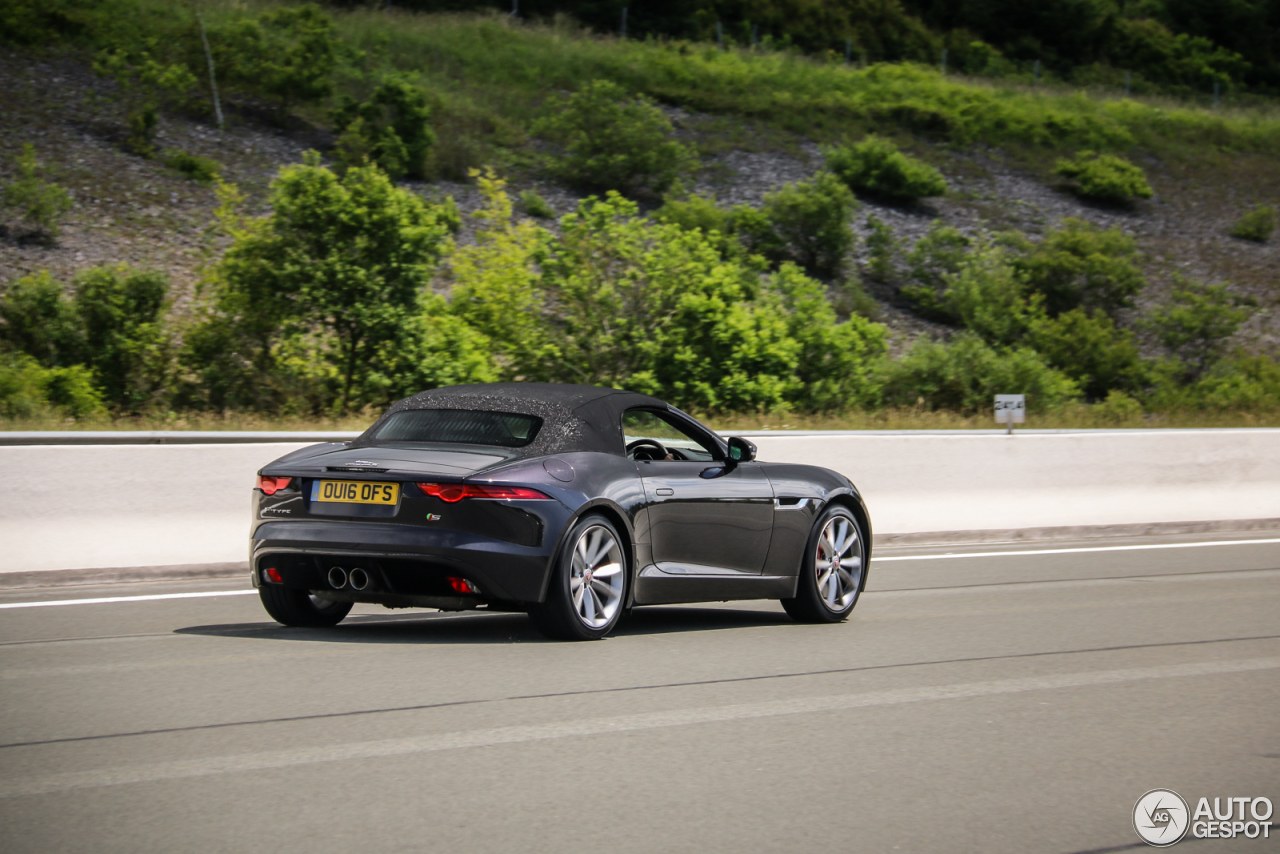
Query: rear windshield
[461,426]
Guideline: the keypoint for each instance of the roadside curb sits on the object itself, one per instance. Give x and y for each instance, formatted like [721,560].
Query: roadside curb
[240,569]
[123,575]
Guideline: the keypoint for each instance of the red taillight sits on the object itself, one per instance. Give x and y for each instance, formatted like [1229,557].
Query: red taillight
[454,492]
[461,585]
[273,575]
[272,485]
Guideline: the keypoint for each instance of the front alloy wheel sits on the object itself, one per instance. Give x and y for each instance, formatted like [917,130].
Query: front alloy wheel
[588,585]
[834,570]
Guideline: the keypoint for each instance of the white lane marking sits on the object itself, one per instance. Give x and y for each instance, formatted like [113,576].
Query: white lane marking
[105,599]
[1081,550]
[245,762]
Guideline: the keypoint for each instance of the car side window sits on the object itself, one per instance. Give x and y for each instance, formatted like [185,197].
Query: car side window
[649,436]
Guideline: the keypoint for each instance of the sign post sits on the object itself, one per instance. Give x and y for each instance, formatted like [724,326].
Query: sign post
[1011,409]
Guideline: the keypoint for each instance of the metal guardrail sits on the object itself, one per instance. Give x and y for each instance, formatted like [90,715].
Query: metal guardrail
[230,437]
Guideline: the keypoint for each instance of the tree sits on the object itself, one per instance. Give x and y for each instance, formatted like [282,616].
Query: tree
[496,288]
[343,260]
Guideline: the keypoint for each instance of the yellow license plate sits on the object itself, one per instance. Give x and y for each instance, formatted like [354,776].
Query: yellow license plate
[356,492]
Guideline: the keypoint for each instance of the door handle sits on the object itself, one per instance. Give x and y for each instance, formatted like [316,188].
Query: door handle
[665,491]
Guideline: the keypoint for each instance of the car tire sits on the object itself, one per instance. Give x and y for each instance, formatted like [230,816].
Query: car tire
[299,608]
[588,587]
[820,597]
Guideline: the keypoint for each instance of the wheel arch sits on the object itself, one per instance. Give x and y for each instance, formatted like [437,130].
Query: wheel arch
[852,501]
[615,515]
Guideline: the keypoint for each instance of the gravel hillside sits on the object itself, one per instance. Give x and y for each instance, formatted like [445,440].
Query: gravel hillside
[137,211]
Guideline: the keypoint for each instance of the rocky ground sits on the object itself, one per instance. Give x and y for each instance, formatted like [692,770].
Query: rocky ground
[137,211]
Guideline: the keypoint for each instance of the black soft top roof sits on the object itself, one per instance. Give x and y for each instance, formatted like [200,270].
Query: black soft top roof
[574,417]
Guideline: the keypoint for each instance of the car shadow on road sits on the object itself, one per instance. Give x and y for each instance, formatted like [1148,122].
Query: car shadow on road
[488,627]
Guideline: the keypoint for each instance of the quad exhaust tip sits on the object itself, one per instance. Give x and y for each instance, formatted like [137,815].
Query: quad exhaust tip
[337,578]
[358,579]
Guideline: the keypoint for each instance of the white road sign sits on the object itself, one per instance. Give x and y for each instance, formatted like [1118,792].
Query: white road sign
[1011,408]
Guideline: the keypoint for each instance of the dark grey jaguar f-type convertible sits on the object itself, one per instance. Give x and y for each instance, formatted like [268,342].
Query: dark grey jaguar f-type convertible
[573,503]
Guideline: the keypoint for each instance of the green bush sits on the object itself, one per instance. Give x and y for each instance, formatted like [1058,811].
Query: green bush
[1090,349]
[1197,324]
[987,296]
[1119,409]
[931,263]
[1240,384]
[1080,264]
[965,374]
[41,203]
[147,82]
[850,298]
[876,168]
[723,228]
[536,206]
[126,342]
[883,250]
[692,211]
[28,389]
[1104,178]
[202,170]
[614,141]
[41,322]
[807,222]
[390,130]
[1256,225]
[112,327]
[836,366]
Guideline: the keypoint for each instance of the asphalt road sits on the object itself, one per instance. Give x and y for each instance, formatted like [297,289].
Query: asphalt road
[1012,700]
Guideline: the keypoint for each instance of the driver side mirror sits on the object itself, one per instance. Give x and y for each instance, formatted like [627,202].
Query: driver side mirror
[740,450]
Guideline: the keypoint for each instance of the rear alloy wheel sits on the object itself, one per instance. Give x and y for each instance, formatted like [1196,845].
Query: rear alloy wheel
[300,608]
[588,584]
[833,572]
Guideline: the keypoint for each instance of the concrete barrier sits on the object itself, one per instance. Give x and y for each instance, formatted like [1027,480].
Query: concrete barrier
[116,505]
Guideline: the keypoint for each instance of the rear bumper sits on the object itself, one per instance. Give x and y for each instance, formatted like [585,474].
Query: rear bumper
[404,560]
